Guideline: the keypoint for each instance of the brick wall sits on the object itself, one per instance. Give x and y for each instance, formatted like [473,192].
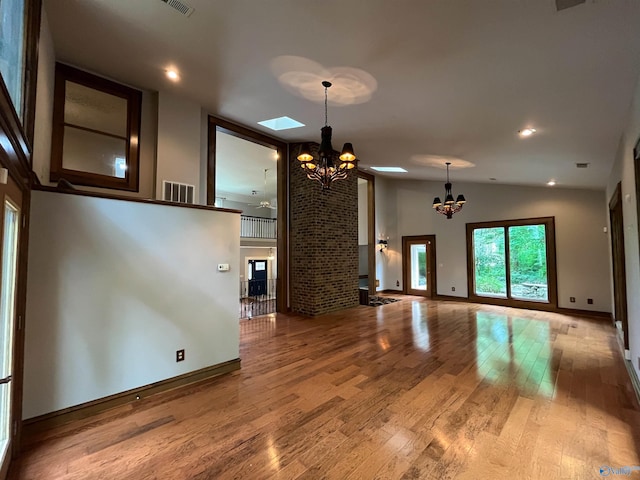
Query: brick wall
[323,240]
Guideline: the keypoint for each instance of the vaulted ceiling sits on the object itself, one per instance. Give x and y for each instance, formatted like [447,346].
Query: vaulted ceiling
[416,82]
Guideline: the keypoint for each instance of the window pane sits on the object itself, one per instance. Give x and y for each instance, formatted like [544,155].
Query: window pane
[12,49]
[528,262]
[490,266]
[7,314]
[419,267]
[95,110]
[93,152]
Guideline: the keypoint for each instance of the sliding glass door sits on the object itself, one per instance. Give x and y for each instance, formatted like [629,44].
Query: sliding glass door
[512,260]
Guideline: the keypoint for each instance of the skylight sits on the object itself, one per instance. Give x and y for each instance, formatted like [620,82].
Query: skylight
[281,123]
[389,169]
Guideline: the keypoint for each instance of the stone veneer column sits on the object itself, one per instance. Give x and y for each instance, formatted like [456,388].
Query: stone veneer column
[323,240]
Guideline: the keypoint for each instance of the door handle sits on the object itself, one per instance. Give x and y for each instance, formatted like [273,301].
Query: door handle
[5,380]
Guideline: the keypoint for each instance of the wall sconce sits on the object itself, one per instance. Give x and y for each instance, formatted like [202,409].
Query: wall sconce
[382,243]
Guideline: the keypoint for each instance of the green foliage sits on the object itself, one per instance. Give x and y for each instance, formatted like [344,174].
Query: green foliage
[527,260]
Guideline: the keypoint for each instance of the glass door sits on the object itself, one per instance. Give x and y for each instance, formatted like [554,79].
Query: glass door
[10,228]
[419,265]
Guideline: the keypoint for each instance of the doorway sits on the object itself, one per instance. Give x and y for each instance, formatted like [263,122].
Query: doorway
[418,265]
[248,171]
[618,261]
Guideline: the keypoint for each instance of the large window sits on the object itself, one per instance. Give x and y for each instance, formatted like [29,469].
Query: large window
[512,261]
[96,125]
[12,51]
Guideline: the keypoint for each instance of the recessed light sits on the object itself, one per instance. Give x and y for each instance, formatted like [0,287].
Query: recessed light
[172,74]
[551,183]
[389,169]
[281,123]
[527,132]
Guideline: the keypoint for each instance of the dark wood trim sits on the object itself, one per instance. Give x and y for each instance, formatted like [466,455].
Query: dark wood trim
[47,421]
[34,13]
[618,262]
[82,193]
[552,278]
[371,228]
[133,97]
[93,130]
[432,281]
[217,124]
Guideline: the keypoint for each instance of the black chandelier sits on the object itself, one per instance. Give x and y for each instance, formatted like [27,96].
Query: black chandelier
[450,205]
[324,170]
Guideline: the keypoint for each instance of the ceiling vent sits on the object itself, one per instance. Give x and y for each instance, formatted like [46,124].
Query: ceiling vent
[564,4]
[177,5]
[582,165]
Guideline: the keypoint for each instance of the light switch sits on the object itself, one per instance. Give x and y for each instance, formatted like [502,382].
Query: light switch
[223,267]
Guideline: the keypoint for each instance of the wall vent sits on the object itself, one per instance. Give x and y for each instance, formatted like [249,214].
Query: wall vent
[177,5]
[177,192]
[582,165]
[564,4]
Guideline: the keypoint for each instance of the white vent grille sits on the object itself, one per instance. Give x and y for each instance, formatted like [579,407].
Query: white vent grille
[177,5]
[177,192]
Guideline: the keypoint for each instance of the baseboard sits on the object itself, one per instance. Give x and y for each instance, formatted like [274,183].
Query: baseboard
[95,407]
[634,378]
[584,313]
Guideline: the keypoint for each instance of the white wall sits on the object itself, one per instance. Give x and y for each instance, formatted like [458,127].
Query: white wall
[363,212]
[44,123]
[582,249]
[623,171]
[179,136]
[385,225]
[115,288]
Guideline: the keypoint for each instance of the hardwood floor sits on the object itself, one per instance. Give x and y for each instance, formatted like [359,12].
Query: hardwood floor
[417,389]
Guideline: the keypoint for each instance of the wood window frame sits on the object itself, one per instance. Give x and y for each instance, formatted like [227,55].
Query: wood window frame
[17,146]
[552,280]
[216,124]
[133,97]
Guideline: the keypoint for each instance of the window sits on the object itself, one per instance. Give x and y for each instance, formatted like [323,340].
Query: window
[12,51]
[96,125]
[513,261]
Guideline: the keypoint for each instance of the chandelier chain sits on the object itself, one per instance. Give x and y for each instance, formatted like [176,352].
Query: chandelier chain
[326,121]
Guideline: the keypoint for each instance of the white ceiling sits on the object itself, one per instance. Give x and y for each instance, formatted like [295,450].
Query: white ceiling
[455,78]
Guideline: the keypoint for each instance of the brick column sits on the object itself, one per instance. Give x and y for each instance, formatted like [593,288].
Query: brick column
[323,240]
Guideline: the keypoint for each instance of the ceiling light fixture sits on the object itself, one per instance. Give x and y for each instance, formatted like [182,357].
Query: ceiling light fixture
[172,74]
[450,205]
[551,183]
[324,170]
[527,132]
[389,169]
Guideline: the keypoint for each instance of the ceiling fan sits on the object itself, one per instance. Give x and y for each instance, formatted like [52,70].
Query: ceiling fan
[264,203]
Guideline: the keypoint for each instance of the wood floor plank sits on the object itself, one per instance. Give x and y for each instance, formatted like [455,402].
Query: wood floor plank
[415,389]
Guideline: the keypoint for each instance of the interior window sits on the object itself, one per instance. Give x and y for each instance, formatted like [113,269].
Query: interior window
[95,132]
[12,29]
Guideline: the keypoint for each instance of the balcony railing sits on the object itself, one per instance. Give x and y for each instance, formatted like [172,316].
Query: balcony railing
[258,227]
[257,297]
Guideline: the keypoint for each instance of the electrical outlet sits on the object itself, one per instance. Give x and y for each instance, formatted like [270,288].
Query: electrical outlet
[180,355]
[572,299]
[397,283]
[453,289]
[590,301]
